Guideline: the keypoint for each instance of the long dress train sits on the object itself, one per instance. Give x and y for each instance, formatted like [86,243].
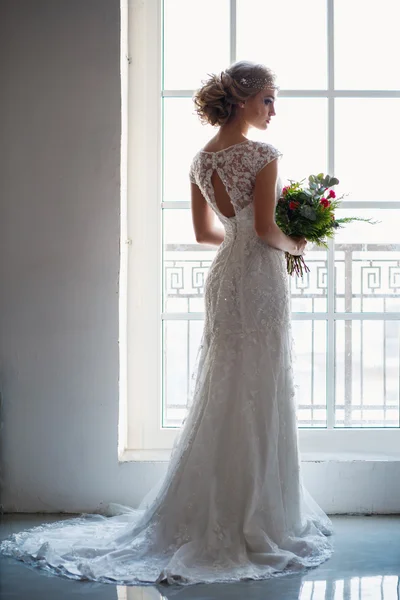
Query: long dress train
[232,504]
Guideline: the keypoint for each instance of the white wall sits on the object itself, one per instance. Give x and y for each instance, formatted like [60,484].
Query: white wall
[59,178]
[59,263]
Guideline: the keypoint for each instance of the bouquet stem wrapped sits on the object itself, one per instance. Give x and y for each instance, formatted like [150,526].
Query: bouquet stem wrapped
[296,264]
[310,212]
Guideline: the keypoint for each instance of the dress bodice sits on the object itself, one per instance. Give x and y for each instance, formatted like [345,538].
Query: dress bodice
[237,167]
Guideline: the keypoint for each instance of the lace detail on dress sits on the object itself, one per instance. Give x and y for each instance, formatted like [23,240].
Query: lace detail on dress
[232,504]
[237,167]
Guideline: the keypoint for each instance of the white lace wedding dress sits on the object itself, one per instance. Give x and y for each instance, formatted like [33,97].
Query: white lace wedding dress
[232,504]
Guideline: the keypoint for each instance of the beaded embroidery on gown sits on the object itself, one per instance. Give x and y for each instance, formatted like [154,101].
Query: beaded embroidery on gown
[232,504]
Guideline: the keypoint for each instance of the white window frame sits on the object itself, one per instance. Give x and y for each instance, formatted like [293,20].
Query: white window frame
[141,437]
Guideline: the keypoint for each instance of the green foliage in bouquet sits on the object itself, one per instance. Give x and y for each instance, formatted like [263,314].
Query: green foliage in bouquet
[310,212]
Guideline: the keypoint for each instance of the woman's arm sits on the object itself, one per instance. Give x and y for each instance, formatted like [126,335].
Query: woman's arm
[264,211]
[203,219]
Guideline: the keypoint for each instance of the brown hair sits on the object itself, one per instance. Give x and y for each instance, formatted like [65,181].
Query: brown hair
[216,101]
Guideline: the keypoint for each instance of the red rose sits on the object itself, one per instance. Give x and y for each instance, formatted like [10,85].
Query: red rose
[325,202]
[285,190]
[293,205]
[332,194]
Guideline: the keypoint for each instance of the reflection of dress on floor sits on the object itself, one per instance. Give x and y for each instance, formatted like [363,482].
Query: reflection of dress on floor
[232,504]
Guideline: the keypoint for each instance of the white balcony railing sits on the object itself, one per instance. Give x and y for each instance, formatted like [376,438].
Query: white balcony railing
[366,333]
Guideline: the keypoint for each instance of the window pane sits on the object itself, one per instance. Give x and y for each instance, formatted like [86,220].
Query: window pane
[181,341]
[367,134]
[367,374]
[196,41]
[367,262]
[289,36]
[300,131]
[367,44]
[186,263]
[184,136]
[310,372]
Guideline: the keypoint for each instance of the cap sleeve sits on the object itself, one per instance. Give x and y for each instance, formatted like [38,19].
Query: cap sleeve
[265,154]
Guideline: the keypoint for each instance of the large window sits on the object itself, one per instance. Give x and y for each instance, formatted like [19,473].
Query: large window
[337,112]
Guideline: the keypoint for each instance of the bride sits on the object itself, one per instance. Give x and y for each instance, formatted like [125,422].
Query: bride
[232,504]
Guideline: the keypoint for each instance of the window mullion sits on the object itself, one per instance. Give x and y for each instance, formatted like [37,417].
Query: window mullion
[330,363]
[233,42]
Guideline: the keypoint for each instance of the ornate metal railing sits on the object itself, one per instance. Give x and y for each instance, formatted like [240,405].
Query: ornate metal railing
[365,302]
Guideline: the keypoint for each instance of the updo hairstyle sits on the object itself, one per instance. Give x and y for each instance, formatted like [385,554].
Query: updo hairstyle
[216,101]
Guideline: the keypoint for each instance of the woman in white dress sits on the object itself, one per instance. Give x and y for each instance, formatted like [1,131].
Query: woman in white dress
[232,504]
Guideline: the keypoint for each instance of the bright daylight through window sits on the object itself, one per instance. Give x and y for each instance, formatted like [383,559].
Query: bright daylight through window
[337,112]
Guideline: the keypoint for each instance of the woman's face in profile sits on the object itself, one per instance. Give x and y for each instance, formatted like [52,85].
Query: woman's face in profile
[259,109]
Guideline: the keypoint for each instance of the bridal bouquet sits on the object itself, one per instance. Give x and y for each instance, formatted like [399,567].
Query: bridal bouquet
[310,212]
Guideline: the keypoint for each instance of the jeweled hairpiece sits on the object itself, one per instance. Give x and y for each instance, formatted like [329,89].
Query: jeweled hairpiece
[257,82]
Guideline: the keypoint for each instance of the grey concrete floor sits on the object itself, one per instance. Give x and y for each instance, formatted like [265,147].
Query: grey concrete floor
[364,566]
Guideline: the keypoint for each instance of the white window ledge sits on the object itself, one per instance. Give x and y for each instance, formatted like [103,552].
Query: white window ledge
[318,445]
[317,457]
[158,455]
[348,457]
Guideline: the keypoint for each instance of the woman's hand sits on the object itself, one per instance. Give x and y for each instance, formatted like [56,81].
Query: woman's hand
[300,244]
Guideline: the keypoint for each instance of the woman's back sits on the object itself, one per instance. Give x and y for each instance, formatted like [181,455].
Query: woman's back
[226,177]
